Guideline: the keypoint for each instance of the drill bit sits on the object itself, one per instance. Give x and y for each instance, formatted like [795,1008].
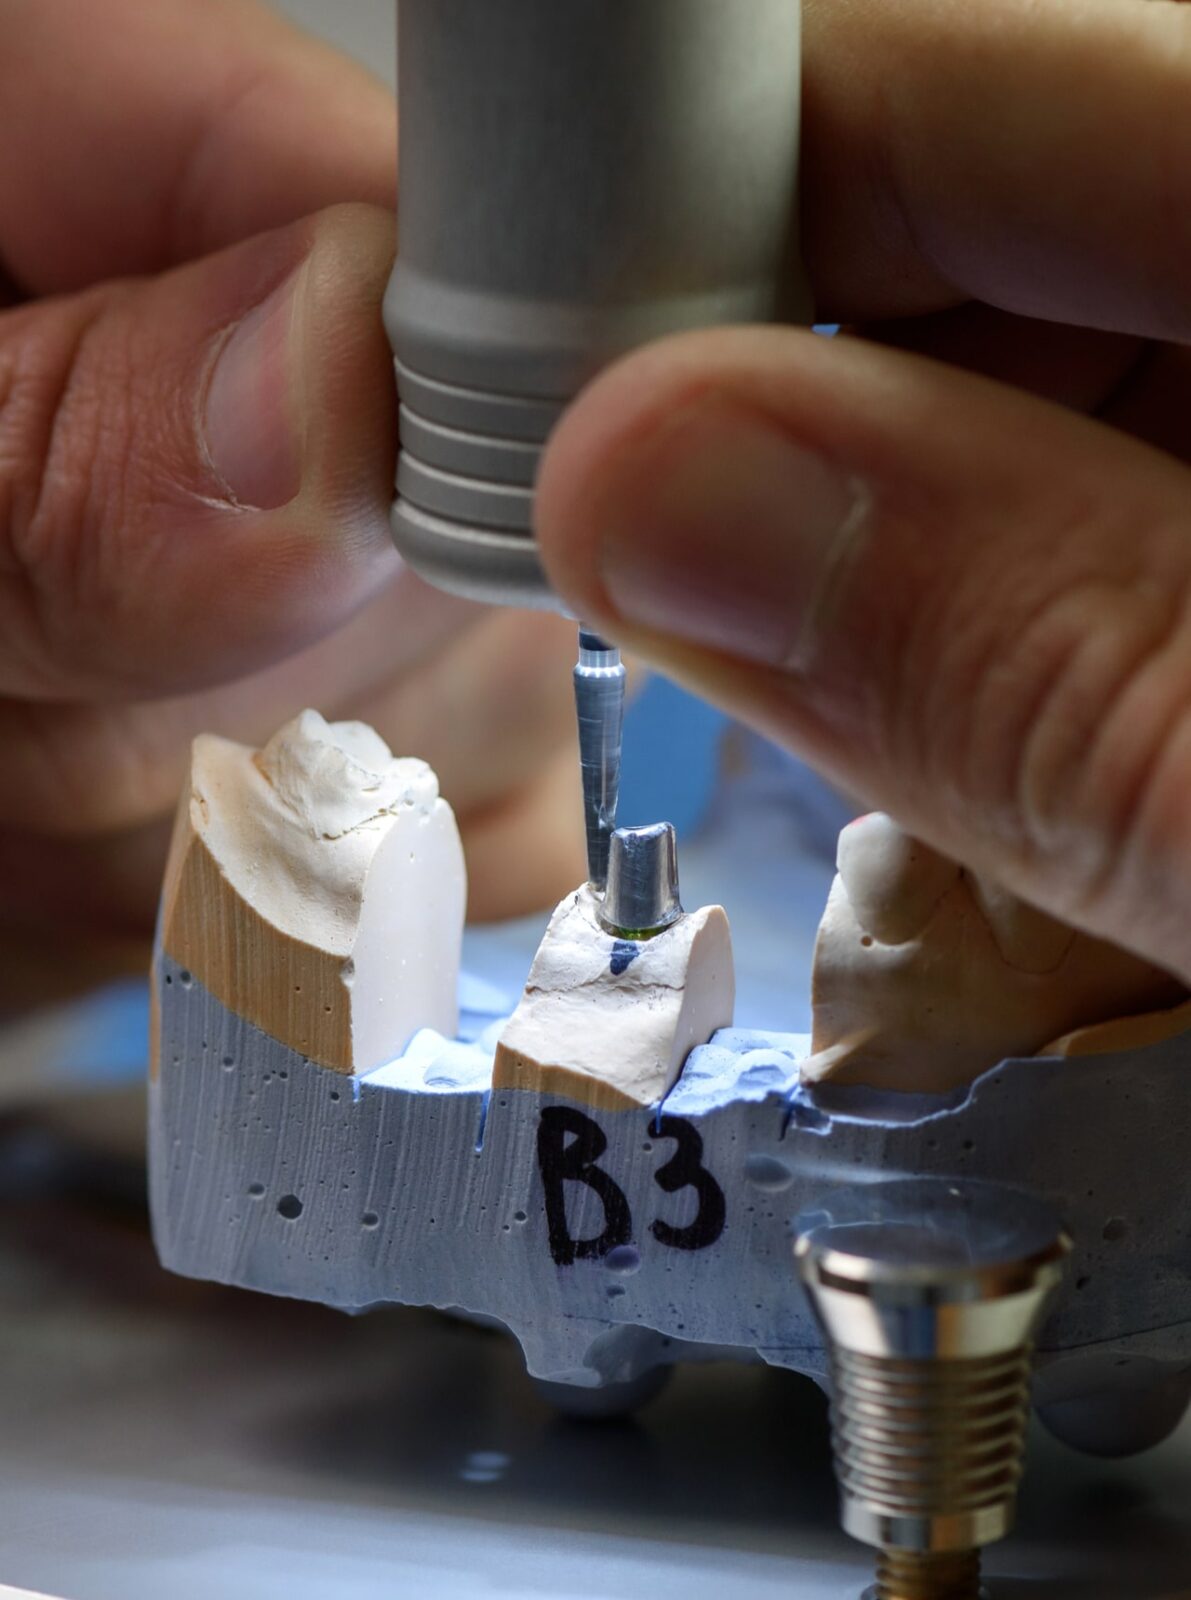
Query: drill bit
[599,703]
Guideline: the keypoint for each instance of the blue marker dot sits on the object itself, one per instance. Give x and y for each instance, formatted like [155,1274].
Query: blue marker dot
[624,953]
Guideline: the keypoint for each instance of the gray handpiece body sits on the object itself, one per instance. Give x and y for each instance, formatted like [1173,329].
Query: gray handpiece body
[577,177]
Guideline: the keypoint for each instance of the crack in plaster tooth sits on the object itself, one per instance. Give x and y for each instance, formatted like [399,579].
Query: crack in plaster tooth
[623,1034]
[611,982]
[1028,939]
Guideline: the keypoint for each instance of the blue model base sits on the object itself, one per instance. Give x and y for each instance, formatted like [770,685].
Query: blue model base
[611,1243]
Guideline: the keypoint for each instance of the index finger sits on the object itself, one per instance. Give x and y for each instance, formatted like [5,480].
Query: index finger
[157,133]
[1033,156]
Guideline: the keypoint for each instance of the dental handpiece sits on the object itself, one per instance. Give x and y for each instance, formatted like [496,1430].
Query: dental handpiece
[577,177]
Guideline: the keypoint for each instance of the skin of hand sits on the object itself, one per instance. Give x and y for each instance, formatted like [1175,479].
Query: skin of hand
[948,556]
[197,434]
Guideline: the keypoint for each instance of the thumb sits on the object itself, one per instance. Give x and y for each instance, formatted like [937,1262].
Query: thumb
[965,604]
[195,470]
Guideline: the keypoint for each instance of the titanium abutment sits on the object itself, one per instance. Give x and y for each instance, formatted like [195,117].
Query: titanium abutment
[575,180]
[642,895]
[929,1294]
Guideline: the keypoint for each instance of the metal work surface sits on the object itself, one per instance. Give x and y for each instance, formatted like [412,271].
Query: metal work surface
[166,1440]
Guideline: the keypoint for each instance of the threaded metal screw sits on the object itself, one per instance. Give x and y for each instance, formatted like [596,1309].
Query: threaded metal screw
[929,1294]
[908,1575]
[934,1440]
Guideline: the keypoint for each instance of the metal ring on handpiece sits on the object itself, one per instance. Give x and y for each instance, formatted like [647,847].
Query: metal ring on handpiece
[571,189]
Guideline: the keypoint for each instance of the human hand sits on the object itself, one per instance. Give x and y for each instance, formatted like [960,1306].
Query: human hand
[949,563]
[196,453]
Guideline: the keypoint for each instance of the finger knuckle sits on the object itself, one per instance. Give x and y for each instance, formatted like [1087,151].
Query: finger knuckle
[61,409]
[1074,710]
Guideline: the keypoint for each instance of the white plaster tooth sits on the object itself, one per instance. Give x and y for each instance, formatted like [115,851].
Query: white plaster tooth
[1123,1035]
[317,888]
[1027,938]
[610,1022]
[894,882]
[931,1012]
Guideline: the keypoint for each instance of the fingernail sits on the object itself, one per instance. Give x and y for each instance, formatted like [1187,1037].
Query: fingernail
[253,423]
[730,534]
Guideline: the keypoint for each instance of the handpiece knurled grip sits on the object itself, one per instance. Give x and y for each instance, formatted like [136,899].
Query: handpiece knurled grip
[577,177]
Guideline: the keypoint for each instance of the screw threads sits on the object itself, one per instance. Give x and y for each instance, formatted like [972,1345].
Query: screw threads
[929,1293]
[907,1575]
[929,1452]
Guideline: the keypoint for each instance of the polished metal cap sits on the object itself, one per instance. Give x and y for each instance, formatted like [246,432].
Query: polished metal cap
[930,1268]
[642,894]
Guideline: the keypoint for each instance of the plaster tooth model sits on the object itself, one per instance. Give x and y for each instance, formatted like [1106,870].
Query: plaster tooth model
[925,974]
[608,1021]
[616,1207]
[316,888]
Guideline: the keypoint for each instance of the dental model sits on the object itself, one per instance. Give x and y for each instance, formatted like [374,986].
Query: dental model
[609,1021]
[926,974]
[316,889]
[566,1173]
